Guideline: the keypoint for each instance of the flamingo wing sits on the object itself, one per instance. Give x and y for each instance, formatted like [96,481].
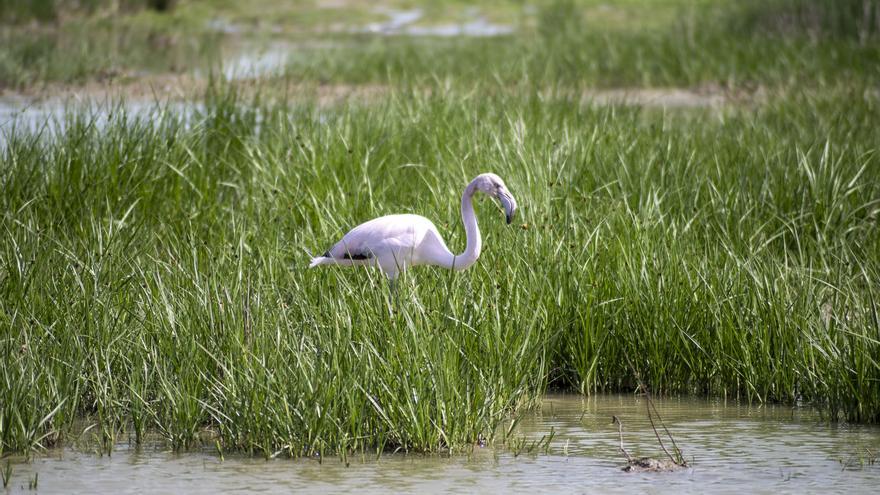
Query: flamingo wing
[393,242]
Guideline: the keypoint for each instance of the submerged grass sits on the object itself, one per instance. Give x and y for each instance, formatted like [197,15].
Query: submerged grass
[152,273]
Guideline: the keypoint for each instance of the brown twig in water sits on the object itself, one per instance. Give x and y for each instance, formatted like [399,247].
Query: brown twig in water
[615,419]
[679,457]
[648,405]
[677,460]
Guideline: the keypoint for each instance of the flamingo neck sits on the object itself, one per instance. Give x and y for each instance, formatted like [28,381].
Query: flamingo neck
[471,229]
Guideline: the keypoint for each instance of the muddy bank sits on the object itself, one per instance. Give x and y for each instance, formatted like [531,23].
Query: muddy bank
[180,88]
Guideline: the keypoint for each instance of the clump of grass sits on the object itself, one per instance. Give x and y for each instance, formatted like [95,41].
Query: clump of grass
[816,19]
[6,474]
[104,49]
[152,275]
[20,11]
[732,45]
[569,45]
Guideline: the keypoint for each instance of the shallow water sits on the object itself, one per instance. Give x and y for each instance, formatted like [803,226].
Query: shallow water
[255,63]
[50,117]
[731,448]
[402,22]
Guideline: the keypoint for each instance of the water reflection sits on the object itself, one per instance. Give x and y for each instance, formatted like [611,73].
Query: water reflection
[731,447]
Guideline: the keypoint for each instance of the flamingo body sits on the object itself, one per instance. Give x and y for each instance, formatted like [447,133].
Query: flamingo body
[392,242]
[396,242]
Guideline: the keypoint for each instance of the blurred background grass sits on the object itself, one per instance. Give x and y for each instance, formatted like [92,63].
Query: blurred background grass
[567,42]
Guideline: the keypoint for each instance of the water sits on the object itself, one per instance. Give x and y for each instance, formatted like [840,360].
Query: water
[479,27]
[401,22]
[269,61]
[731,448]
[50,117]
[397,20]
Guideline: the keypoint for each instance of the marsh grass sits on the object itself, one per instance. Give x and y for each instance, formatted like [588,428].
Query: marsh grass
[152,272]
[21,11]
[816,19]
[734,45]
[104,48]
[573,44]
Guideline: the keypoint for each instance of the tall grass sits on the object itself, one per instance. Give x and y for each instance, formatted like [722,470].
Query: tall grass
[817,19]
[736,45]
[728,44]
[103,49]
[21,11]
[152,273]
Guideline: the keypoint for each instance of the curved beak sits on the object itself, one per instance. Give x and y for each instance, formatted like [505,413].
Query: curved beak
[508,203]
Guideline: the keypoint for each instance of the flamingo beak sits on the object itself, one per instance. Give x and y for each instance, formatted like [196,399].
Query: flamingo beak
[508,203]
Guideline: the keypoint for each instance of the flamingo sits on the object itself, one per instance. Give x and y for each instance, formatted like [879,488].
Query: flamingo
[396,242]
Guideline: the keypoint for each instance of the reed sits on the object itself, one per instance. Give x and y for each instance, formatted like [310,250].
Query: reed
[152,266]
[153,279]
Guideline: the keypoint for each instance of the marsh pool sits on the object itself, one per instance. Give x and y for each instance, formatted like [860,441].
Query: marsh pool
[730,446]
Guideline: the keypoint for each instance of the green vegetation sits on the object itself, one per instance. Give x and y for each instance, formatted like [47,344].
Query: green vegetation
[736,45]
[154,273]
[152,270]
[701,46]
[97,50]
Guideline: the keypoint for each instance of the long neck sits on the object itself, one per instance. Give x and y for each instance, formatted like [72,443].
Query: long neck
[472,231]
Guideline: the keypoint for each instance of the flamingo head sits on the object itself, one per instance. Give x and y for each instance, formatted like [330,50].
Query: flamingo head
[492,185]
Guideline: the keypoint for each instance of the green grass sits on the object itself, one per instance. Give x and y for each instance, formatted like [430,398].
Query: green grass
[152,274]
[571,45]
[101,49]
[633,43]
[23,11]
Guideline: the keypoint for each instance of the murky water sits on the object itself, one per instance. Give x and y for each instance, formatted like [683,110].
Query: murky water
[731,448]
[402,22]
[50,117]
[255,63]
